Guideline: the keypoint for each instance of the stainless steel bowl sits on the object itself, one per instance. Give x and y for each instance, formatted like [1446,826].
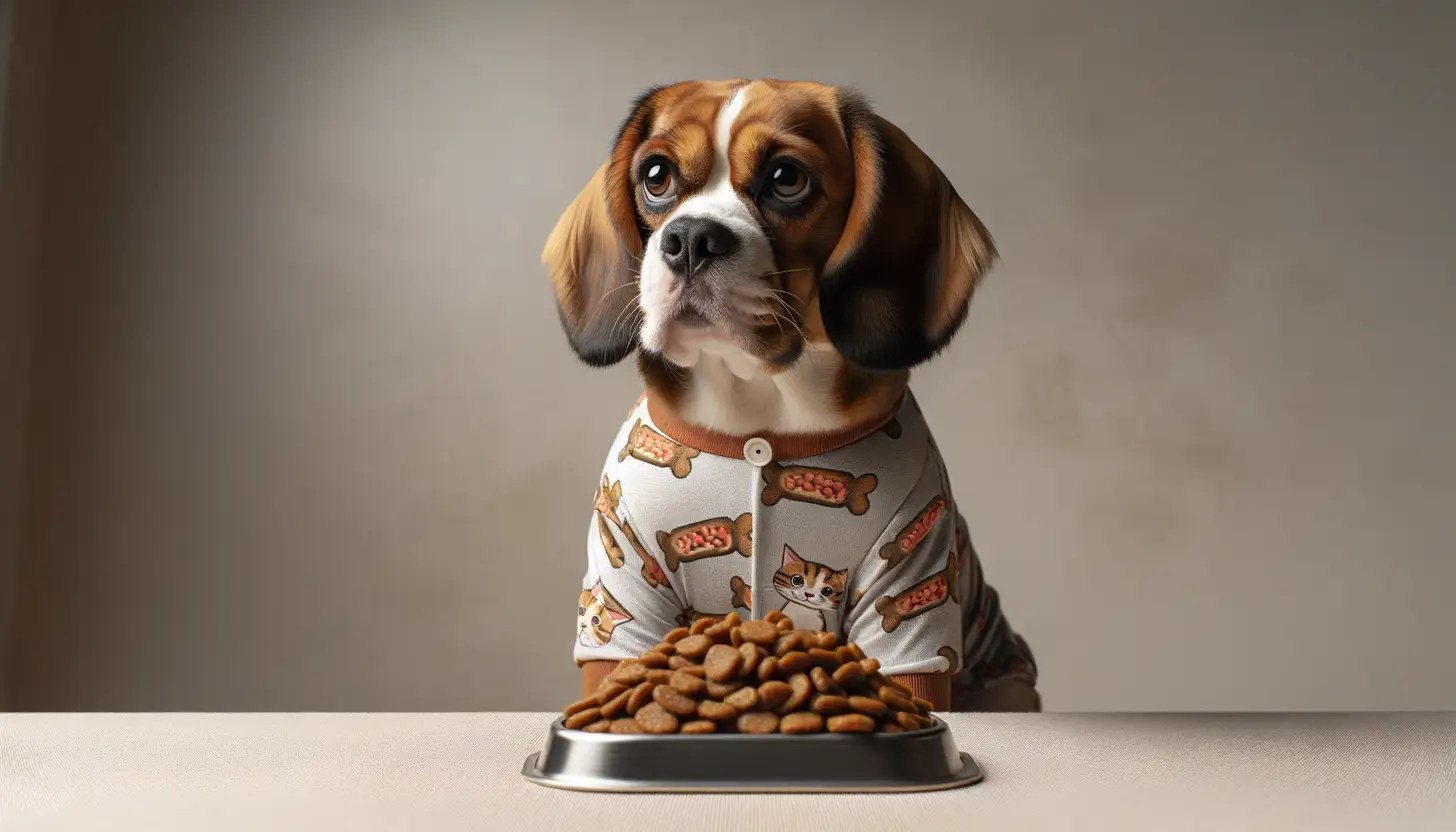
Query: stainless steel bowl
[914,761]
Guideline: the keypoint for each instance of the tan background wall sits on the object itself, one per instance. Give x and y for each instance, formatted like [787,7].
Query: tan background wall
[304,434]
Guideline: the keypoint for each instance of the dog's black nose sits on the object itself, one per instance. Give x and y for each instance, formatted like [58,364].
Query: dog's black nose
[689,244]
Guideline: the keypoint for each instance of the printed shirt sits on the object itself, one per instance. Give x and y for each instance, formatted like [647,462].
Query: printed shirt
[865,538]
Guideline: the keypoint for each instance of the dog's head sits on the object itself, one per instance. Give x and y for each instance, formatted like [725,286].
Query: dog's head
[765,217]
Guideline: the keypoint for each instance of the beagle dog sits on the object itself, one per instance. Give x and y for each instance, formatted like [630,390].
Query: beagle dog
[778,257]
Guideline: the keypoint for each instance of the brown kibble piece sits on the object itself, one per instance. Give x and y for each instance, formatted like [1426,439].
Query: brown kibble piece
[659,676]
[774,616]
[743,699]
[583,718]
[721,690]
[826,640]
[787,643]
[674,702]
[577,707]
[678,662]
[823,658]
[641,695]
[899,688]
[718,632]
[625,725]
[722,662]
[860,655]
[784,625]
[850,675]
[687,684]
[773,694]
[694,647]
[801,722]
[759,632]
[661,647]
[709,709]
[700,625]
[896,701]
[609,691]
[618,704]
[794,662]
[767,668]
[758,722]
[925,706]
[909,721]
[735,636]
[656,719]
[823,683]
[891,728]
[601,726]
[699,726]
[844,654]
[674,636]
[733,619]
[752,654]
[800,688]
[870,666]
[851,724]
[828,703]
[628,674]
[868,705]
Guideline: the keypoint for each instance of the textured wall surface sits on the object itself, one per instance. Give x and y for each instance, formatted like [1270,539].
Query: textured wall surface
[305,435]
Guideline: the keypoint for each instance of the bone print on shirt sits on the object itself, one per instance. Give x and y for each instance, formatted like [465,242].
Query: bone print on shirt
[921,598]
[709,538]
[609,507]
[653,448]
[915,531]
[742,593]
[818,486]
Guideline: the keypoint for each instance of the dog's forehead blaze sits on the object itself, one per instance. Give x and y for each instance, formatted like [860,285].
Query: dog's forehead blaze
[683,127]
[686,120]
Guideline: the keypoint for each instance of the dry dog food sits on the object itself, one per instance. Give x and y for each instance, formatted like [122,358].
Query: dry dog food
[653,448]
[914,532]
[820,486]
[749,677]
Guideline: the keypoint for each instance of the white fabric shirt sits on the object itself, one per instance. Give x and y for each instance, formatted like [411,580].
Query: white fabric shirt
[865,539]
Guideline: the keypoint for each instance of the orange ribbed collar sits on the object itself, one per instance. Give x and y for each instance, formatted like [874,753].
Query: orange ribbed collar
[785,445]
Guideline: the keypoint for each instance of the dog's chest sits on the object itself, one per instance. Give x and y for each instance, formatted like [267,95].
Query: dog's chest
[759,533]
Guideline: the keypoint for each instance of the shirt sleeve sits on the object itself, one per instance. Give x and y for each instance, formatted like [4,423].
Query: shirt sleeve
[905,605]
[626,604]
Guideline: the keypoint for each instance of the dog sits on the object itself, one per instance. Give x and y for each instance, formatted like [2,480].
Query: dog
[778,257]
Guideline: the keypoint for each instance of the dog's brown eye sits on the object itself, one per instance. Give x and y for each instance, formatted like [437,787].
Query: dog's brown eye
[657,180]
[789,181]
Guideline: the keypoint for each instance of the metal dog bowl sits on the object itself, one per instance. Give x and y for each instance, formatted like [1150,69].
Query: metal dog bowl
[914,761]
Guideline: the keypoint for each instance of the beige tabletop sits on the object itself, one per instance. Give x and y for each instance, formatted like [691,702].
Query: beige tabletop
[362,772]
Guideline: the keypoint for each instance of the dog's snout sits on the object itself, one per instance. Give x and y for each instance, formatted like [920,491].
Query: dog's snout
[690,244]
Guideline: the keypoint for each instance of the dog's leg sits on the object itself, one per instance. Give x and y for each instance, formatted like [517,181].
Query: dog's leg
[1008,696]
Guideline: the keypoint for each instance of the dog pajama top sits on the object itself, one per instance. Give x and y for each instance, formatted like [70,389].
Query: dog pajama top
[856,534]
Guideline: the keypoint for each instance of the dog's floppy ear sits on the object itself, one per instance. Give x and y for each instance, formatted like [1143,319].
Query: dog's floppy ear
[896,287]
[595,250]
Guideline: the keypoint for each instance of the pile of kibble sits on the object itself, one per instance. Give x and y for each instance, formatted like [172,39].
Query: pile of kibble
[750,677]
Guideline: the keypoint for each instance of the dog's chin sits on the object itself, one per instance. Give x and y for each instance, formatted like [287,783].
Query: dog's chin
[684,340]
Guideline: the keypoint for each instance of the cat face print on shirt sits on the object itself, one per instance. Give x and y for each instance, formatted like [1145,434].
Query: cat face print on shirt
[811,589]
[597,615]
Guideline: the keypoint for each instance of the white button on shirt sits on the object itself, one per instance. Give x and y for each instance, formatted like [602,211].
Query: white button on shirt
[758,452]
